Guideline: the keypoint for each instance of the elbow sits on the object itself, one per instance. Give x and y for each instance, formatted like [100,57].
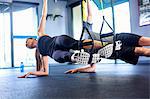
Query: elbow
[44,16]
[46,73]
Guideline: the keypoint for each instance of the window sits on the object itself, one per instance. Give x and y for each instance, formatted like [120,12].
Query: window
[122,18]
[97,19]
[25,25]
[25,22]
[77,22]
[5,43]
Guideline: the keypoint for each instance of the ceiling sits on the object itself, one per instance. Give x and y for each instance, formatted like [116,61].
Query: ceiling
[107,3]
[18,4]
[8,1]
[5,7]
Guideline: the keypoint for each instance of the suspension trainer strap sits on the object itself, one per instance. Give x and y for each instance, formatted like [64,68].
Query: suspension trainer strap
[84,10]
[104,21]
[108,24]
[102,6]
[87,43]
[91,50]
[101,32]
[83,3]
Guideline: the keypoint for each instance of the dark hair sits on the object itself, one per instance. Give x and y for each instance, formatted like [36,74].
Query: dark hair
[38,60]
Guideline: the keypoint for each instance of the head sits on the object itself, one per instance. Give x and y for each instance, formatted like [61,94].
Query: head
[31,43]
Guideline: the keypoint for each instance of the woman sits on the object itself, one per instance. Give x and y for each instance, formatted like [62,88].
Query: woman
[58,48]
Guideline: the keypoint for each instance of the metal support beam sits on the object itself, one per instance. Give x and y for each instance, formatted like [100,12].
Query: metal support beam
[113,21]
[11,36]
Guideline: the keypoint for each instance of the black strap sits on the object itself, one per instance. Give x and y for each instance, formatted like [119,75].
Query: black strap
[107,34]
[91,43]
[87,43]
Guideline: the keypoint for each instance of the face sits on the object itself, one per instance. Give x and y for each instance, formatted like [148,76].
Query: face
[31,43]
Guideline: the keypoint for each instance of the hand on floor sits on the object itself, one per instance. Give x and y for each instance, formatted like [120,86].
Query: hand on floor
[24,76]
[71,71]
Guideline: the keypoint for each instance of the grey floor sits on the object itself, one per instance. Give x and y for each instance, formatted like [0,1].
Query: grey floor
[121,81]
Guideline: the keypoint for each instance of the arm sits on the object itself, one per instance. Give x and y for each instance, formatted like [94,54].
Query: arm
[87,69]
[42,72]
[42,24]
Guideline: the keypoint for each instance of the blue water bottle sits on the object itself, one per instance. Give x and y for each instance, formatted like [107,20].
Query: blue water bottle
[21,67]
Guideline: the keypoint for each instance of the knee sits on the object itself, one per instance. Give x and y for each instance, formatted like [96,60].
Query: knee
[57,58]
[139,50]
[143,41]
[147,53]
[62,56]
[142,51]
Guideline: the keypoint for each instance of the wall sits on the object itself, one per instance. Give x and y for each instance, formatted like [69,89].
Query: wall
[145,30]
[135,28]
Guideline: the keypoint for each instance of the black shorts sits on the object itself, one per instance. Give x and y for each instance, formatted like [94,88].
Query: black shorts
[129,42]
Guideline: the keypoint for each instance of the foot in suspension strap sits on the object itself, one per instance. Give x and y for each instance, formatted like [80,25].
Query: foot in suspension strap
[83,58]
[106,51]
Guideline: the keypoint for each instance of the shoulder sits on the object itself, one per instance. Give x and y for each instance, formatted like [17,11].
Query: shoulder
[44,36]
[40,34]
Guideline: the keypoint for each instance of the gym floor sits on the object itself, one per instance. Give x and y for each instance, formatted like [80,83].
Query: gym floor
[111,81]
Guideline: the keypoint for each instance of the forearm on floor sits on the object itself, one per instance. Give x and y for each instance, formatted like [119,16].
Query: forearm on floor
[39,73]
[87,69]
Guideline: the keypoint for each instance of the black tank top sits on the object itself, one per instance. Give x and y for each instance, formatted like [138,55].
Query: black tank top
[46,45]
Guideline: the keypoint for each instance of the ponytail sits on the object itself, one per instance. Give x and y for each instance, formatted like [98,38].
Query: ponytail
[38,60]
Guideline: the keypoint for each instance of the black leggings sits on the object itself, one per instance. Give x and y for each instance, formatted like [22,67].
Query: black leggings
[63,44]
